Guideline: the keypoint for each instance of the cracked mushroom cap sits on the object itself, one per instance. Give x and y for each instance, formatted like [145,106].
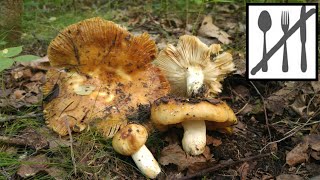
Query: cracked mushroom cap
[167,111]
[129,139]
[191,53]
[100,74]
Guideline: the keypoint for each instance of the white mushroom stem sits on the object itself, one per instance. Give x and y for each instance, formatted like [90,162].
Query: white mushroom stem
[194,138]
[145,161]
[195,79]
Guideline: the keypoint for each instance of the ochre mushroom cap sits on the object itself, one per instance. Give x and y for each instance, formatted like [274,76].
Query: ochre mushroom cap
[129,139]
[168,111]
[100,74]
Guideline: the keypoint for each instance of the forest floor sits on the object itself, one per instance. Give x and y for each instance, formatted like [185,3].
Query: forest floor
[277,136]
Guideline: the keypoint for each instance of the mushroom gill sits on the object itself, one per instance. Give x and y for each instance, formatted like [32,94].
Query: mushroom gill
[191,68]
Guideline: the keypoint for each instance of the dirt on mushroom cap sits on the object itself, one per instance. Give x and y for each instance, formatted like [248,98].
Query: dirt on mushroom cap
[107,75]
[169,110]
[130,139]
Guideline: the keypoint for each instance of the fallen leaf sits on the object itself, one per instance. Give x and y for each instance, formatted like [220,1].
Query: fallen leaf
[300,153]
[299,105]
[39,64]
[207,154]
[280,99]
[316,85]
[240,63]
[214,141]
[243,170]
[289,177]
[34,139]
[32,99]
[208,29]
[297,155]
[33,165]
[19,94]
[173,154]
[39,76]
[242,91]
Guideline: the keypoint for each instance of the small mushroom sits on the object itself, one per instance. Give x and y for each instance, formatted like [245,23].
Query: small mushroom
[130,141]
[193,68]
[100,74]
[194,115]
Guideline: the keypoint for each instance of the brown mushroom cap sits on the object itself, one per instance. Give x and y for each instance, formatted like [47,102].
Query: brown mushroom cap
[107,74]
[171,111]
[129,139]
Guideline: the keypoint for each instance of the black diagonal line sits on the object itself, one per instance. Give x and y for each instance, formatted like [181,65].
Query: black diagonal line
[282,40]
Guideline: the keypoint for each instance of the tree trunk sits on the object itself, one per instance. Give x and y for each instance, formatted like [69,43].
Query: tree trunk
[10,21]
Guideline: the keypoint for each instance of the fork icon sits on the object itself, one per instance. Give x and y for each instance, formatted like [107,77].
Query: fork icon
[285,27]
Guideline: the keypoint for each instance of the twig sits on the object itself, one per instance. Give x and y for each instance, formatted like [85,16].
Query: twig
[71,147]
[222,165]
[9,118]
[14,140]
[264,108]
[242,108]
[286,137]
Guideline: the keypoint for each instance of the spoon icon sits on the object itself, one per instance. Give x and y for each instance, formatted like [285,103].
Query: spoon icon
[264,23]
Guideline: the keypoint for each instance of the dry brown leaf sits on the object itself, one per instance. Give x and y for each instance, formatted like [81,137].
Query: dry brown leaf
[39,64]
[240,63]
[214,141]
[316,85]
[243,170]
[39,76]
[208,29]
[32,99]
[297,155]
[279,100]
[173,154]
[300,153]
[34,139]
[33,165]
[242,91]
[299,105]
[19,94]
[289,177]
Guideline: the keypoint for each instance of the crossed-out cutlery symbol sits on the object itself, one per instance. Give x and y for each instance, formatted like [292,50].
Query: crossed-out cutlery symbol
[265,23]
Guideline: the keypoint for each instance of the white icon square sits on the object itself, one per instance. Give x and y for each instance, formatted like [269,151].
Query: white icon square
[290,25]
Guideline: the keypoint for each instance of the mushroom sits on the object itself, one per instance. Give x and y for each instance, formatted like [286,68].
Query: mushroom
[194,115]
[130,141]
[190,68]
[100,74]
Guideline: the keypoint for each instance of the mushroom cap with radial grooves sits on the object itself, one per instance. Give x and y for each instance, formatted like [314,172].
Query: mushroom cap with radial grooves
[168,111]
[101,74]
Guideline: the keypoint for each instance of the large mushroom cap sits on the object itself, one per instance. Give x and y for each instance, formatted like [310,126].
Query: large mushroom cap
[105,73]
[168,111]
[129,139]
[191,61]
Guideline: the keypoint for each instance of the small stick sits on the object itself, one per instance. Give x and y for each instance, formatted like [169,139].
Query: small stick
[71,147]
[221,166]
[10,118]
[264,108]
[14,140]
[286,137]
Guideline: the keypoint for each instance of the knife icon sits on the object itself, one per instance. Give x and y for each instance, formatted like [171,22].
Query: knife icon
[303,41]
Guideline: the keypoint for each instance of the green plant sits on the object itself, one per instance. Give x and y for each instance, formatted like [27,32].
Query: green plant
[9,55]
